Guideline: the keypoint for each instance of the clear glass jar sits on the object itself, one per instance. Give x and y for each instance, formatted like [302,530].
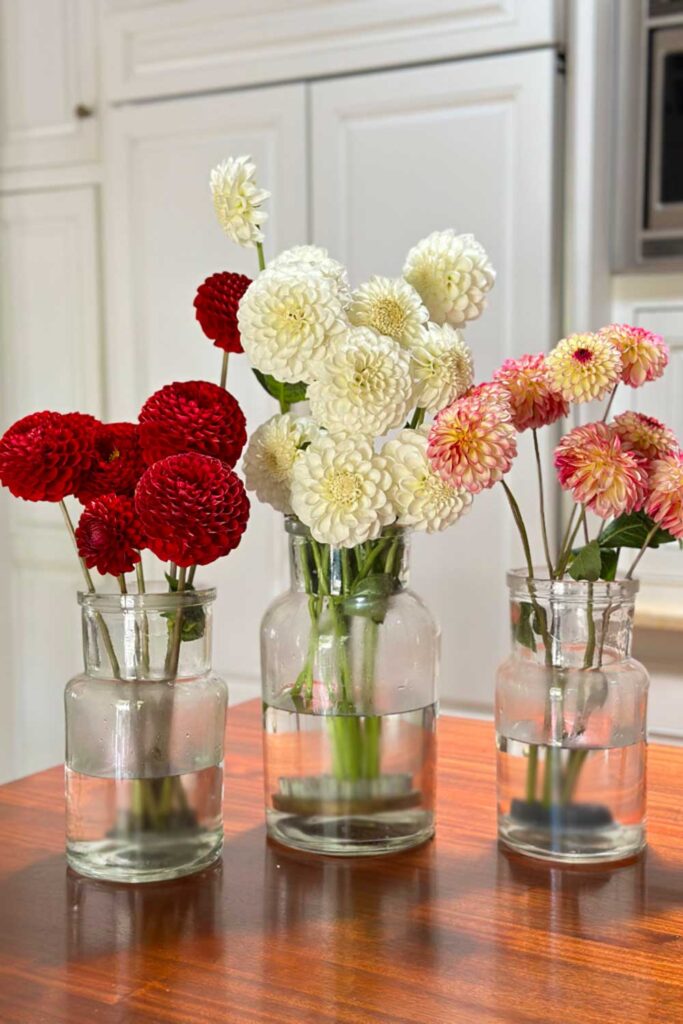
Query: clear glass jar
[144,739]
[571,708]
[349,662]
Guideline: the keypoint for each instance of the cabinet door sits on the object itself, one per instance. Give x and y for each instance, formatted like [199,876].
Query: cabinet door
[47,82]
[468,145]
[161,240]
[49,359]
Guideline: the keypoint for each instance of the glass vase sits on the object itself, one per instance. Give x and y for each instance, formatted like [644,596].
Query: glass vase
[144,739]
[571,708]
[349,661]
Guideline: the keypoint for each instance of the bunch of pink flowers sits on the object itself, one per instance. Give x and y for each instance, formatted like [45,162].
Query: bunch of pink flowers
[629,470]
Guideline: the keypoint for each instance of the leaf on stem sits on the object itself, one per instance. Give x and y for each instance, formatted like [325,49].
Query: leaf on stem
[369,596]
[587,563]
[523,631]
[286,394]
[193,621]
[630,531]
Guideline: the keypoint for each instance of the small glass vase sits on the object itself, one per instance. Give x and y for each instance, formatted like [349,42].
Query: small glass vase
[571,708]
[144,739]
[349,661]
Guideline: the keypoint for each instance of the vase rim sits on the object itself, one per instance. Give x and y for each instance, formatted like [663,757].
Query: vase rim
[567,588]
[156,596]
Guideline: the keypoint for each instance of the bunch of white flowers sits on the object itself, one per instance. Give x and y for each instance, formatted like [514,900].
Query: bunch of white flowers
[369,362]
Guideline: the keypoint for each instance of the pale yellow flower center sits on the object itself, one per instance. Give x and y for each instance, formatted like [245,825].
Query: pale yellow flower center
[278,458]
[388,316]
[343,489]
[433,490]
[368,379]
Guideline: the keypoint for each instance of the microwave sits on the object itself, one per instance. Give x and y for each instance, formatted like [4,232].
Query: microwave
[648,170]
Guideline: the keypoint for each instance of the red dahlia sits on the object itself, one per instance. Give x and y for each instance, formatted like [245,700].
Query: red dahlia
[108,535]
[192,416]
[192,508]
[216,303]
[44,456]
[118,462]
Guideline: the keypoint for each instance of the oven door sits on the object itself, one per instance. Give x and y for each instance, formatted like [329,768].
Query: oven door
[664,207]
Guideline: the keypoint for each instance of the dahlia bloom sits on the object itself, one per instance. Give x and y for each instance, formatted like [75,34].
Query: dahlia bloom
[45,456]
[601,474]
[309,259]
[441,366]
[193,509]
[270,456]
[340,490]
[665,501]
[473,441]
[192,416]
[644,355]
[118,462]
[422,500]
[108,535]
[583,367]
[237,200]
[644,434]
[534,401]
[452,275]
[216,304]
[364,385]
[287,320]
[390,307]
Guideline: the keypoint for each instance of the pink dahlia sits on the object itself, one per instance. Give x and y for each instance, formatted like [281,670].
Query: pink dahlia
[593,464]
[534,400]
[644,355]
[583,367]
[473,441]
[665,501]
[644,434]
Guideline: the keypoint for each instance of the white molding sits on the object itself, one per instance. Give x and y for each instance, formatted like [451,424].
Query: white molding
[171,48]
[38,179]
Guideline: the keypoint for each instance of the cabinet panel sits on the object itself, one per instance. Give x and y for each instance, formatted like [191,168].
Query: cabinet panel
[468,145]
[172,46]
[161,241]
[49,358]
[47,62]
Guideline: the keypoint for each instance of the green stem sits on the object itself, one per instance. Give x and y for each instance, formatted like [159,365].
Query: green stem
[541,502]
[173,652]
[191,575]
[261,257]
[532,773]
[122,584]
[610,400]
[224,370]
[589,653]
[564,558]
[642,551]
[571,777]
[140,576]
[418,418]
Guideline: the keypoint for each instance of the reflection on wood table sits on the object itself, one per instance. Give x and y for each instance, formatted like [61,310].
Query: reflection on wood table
[456,931]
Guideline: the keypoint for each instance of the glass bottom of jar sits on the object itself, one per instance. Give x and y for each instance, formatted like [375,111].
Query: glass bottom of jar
[355,835]
[146,858]
[569,844]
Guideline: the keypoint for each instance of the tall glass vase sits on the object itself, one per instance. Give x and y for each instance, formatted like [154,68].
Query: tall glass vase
[349,662]
[144,739]
[571,708]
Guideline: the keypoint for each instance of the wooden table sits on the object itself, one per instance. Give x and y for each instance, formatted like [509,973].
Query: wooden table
[457,931]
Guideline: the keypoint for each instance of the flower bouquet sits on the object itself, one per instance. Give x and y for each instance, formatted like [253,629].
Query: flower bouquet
[145,722]
[349,656]
[571,702]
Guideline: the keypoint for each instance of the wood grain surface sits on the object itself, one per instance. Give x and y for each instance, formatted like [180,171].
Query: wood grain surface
[457,931]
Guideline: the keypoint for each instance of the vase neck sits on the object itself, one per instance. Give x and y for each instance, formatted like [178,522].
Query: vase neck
[325,570]
[147,637]
[571,624]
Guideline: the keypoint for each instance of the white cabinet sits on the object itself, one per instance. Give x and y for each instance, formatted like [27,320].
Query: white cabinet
[166,47]
[49,359]
[468,145]
[47,82]
[161,241]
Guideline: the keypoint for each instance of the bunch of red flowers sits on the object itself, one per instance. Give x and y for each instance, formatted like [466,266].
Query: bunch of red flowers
[165,483]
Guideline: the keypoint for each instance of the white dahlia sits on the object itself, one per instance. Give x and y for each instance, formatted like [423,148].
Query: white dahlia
[237,200]
[287,321]
[452,273]
[364,385]
[308,258]
[340,490]
[270,457]
[391,307]
[442,367]
[420,497]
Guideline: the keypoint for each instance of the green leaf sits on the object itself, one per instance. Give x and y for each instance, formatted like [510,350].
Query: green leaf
[586,563]
[523,631]
[630,531]
[379,584]
[193,622]
[286,394]
[609,557]
[370,596]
